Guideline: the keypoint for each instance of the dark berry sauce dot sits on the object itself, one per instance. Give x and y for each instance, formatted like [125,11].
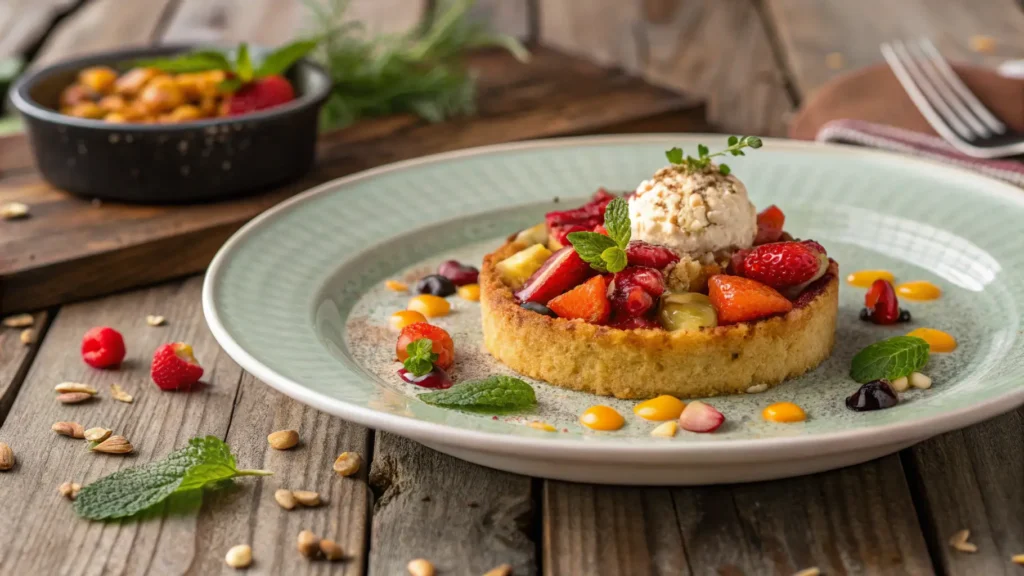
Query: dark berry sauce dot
[875,395]
[539,309]
[904,315]
[435,284]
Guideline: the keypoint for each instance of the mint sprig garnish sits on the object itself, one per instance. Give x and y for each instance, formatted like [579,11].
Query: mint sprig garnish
[127,492]
[606,253]
[703,159]
[421,357]
[495,394]
[890,359]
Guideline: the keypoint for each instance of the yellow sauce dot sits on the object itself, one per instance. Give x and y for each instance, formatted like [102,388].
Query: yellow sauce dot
[938,341]
[403,318]
[865,278]
[469,292]
[602,418]
[543,426]
[784,412]
[663,407]
[396,286]
[429,305]
[918,290]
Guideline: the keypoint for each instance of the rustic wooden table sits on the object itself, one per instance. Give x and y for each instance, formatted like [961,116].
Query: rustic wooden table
[753,61]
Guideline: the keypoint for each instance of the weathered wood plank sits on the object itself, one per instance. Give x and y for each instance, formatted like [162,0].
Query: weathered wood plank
[464,518]
[103,25]
[15,359]
[970,479]
[809,31]
[512,17]
[253,517]
[38,521]
[718,50]
[851,521]
[25,22]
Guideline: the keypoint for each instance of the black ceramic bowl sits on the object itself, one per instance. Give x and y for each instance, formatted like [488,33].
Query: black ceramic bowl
[168,163]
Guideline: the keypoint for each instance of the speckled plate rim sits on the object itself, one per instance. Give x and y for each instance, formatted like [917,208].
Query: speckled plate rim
[752,450]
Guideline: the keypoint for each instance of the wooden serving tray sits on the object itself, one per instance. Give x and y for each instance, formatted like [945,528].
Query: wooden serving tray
[70,248]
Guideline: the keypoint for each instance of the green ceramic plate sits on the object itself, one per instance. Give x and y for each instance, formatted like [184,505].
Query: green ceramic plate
[296,298]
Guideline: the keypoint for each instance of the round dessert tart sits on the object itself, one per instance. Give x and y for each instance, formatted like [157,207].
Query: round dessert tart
[646,362]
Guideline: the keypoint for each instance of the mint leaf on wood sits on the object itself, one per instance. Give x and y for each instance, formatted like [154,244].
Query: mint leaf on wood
[497,393]
[890,359]
[616,221]
[590,246]
[421,357]
[130,491]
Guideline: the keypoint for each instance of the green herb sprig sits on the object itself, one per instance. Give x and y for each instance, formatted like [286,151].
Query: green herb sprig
[205,461]
[890,359]
[494,394]
[421,357]
[703,159]
[606,253]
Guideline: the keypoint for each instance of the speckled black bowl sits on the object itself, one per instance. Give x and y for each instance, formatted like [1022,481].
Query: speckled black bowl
[168,163]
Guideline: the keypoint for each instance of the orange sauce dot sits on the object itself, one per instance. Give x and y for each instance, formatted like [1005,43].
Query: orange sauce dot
[865,278]
[784,412]
[918,290]
[602,418]
[662,408]
[938,341]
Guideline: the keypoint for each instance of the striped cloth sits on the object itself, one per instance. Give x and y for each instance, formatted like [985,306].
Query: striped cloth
[914,143]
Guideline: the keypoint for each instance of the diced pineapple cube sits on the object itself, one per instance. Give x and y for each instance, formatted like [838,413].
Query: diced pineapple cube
[517,268]
[535,235]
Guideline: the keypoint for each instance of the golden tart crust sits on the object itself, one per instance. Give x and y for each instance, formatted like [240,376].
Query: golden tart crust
[644,363]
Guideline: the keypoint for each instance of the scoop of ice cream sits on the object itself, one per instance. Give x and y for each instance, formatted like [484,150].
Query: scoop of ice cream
[693,212]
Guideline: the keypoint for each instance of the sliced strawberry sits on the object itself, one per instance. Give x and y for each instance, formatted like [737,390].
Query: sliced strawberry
[700,417]
[736,262]
[640,253]
[632,323]
[600,229]
[881,300]
[769,225]
[562,271]
[738,299]
[588,302]
[783,264]
[814,246]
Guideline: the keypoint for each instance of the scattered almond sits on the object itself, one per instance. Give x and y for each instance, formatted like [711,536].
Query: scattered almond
[348,463]
[665,429]
[65,387]
[155,320]
[503,570]
[285,499]
[114,445]
[306,497]
[69,490]
[13,210]
[239,556]
[97,434]
[331,550]
[71,429]
[73,397]
[283,439]
[900,384]
[420,567]
[812,571]
[1017,558]
[959,542]
[6,457]
[308,544]
[920,381]
[19,321]
[28,336]
[119,394]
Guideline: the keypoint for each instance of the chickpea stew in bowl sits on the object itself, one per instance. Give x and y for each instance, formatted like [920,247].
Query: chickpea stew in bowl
[173,124]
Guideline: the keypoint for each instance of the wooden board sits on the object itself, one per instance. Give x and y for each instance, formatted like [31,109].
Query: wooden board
[71,249]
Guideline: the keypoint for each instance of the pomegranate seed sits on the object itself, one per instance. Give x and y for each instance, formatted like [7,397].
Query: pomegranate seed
[460,274]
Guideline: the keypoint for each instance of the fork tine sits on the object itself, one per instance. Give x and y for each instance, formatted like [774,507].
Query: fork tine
[921,92]
[948,94]
[953,79]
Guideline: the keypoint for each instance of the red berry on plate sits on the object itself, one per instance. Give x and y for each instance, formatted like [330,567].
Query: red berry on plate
[738,299]
[640,253]
[783,264]
[460,274]
[174,367]
[700,417]
[441,343]
[881,300]
[102,347]
[588,302]
[560,234]
[260,94]
[769,225]
[562,271]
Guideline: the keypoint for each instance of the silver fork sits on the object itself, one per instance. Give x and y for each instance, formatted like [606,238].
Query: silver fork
[946,102]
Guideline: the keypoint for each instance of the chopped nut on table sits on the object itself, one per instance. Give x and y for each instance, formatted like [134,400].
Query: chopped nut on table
[1017,558]
[65,387]
[13,211]
[19,321]
[28,336]
[812,571]
[119,394]
[74,397]
[239,556]
[308,544]
[70,429]
[306,497]
[503,570]
[959,542]
[97,434]
[420,567]
[331,550]
[283,439]
[6,457]
[69,490]
[285,499]
[348,463]
[114,445]
[155,320]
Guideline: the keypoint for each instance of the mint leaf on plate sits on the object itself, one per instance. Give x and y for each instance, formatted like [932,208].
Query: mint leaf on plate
[590,246]
[890,359]
[127,492]
[421,357]
[616,221]
[497,393]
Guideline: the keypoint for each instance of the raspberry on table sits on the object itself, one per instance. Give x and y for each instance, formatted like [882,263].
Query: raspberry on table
[103,347]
